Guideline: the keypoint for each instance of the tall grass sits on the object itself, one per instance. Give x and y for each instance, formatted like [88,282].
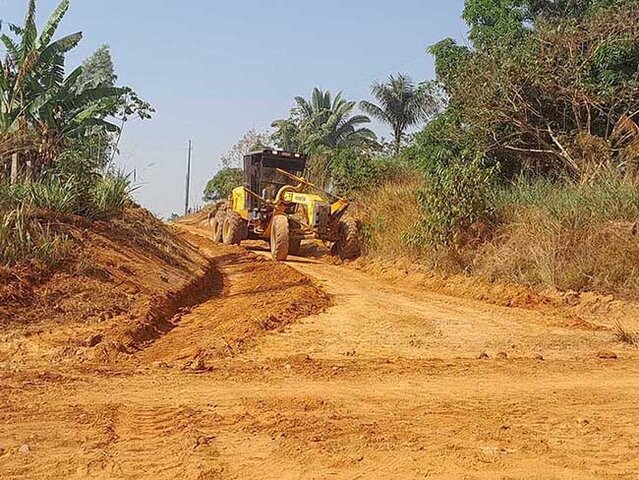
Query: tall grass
[55,194]
[611,197]
[24,235]
[109,195]
[566,236]
[543,234]
[389,214]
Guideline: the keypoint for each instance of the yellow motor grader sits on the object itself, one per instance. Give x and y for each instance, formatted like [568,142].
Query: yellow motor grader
[278,205]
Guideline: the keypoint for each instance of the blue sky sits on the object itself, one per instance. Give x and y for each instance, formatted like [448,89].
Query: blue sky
[214,69]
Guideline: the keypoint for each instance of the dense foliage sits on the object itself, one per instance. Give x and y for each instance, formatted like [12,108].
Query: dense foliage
[545,86]
[59,133]
[222,184]
[43,110]
[530,172]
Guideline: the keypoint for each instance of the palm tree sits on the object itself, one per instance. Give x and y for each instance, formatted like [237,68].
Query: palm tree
[402,104]
[323,122]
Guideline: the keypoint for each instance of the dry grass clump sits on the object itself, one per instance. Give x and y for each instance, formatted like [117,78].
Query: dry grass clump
[582,237]
[389,213]
[623,335]
[570,237]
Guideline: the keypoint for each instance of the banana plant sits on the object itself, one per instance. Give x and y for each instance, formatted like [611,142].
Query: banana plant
[35,94]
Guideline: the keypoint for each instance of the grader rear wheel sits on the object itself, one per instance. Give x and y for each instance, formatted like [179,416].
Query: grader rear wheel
[280,238]
[233,229]
[217,225]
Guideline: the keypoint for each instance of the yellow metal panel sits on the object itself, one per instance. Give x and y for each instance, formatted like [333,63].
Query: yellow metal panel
[338,207]
[238,202]
[306,199]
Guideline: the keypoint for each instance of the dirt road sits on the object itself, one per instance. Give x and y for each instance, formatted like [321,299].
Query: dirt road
[384,382]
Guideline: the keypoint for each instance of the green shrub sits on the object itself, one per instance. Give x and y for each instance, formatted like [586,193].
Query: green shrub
[12,196]
[453,198]
[109,196]
[352,171]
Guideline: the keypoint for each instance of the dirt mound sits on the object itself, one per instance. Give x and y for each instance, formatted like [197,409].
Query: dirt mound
[133,267]
[133,280]
[258,296]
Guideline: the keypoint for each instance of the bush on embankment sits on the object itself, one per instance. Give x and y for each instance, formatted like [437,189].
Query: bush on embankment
[28,211]
[535,232]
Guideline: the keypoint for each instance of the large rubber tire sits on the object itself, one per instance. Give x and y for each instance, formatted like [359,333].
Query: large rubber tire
[295,236]
[233,230]
[294,246]
[217,226]
[280,238]
[348,246]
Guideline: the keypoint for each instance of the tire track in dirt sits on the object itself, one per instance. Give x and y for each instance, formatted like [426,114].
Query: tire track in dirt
[374,319]
[385,383]
[259,296]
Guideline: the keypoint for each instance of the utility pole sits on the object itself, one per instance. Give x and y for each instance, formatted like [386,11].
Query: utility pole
[188,181]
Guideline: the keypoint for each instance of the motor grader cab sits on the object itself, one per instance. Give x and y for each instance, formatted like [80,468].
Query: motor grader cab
[278,205]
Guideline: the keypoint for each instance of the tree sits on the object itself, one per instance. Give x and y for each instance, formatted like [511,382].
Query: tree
[323,122]
[252,140]
[495,22]
[287,134]
[222,184]
[97,70]
[38,101]
[545,85]
[402,104]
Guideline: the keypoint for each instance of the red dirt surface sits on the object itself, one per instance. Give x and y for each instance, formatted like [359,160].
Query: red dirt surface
[308,370]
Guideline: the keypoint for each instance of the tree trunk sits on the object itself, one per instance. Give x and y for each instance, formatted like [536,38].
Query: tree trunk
[398,142]
[14,168]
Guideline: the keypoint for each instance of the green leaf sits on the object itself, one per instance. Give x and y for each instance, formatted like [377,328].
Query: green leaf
[29,31]
[91,95]
[52,24]
[60,47]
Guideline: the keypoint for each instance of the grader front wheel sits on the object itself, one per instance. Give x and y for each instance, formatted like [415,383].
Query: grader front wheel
[348,246]
[280,238]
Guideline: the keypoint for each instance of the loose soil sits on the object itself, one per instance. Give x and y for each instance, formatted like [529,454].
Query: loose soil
[308,370]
